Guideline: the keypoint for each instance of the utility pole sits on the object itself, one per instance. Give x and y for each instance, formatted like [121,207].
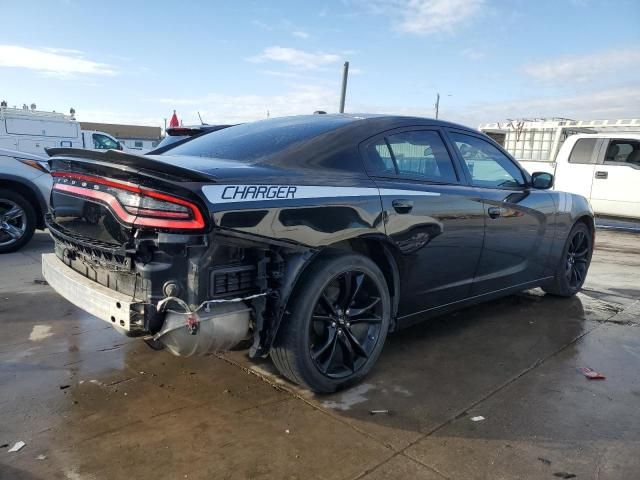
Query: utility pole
[437,104]
[345,75]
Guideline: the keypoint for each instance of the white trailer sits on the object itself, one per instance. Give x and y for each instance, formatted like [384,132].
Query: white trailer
[30,130]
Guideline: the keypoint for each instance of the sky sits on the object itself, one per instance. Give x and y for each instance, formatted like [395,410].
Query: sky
[237,61]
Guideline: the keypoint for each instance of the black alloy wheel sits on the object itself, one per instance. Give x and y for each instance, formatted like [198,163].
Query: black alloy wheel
[346,325]
[574,264]
[337,322]
[577,260]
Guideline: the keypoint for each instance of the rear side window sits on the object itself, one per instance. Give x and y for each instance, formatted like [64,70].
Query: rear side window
[583,151]
[380,159]
[419,154]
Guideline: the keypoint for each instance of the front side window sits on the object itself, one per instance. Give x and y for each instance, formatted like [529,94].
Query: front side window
[583,151]
[102,142]
[488,166]
[623,151]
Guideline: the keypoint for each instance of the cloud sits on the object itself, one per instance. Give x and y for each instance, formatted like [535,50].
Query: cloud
[219,108]
[262,25]
[425,17]
[585,68]
[119,116]
[623,102]
[300,34]
[51,62]
[473,54]
[295,57]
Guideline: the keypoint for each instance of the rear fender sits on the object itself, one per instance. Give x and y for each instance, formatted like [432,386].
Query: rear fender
[295,264]
[571,208]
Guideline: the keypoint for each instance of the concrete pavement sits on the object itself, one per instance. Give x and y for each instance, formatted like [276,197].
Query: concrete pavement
[97,405]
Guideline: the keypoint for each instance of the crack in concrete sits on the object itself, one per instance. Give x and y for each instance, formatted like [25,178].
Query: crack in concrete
[463,411]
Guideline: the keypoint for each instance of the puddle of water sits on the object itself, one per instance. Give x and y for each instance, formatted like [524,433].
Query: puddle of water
[40,332]
[349,398]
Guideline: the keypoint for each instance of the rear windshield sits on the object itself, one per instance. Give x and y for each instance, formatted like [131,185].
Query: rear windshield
[170,139]
[253,141]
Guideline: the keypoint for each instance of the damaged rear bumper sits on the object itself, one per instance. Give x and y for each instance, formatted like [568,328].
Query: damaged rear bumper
[115,308]
[183,333]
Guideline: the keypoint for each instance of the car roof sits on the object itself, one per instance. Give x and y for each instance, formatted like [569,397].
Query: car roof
[378,118]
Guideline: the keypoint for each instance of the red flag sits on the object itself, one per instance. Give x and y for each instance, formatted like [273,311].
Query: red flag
[174,120]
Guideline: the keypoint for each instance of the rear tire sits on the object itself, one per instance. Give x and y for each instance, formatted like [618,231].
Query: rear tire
[337,323]
[572,269]
[17,221]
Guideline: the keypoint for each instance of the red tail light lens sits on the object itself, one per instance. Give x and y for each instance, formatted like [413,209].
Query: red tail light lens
[132,204]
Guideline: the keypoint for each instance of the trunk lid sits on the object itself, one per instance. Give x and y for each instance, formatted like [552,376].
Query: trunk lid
[99,199]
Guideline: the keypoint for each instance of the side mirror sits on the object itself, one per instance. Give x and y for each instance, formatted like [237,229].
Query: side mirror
[542,180]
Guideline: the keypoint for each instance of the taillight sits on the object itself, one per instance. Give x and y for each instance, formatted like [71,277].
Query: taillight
[132,204]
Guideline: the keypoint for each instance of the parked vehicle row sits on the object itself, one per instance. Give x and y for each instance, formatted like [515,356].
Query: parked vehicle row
[314,236]
[33,131]
[25,187]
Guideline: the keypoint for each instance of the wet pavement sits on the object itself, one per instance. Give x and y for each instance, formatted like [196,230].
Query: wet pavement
[91,404]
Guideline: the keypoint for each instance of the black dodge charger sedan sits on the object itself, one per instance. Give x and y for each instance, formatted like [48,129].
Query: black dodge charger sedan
[310,237]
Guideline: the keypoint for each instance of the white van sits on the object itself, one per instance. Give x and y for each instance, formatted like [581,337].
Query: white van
[605,168]
[30,130]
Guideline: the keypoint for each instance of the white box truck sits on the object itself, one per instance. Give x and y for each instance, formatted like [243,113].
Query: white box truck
[30,130]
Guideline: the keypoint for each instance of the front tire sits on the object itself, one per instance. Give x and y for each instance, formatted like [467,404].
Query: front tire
[574,264]
[337,323]
[17,221]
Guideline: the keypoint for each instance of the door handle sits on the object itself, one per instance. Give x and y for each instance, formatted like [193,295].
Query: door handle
[602,175]
[402,206]
[494,212]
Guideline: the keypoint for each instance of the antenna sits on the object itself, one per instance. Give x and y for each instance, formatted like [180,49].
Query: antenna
[343,90]
[201,122]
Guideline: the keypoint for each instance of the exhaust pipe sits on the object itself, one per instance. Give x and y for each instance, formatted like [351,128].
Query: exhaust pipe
[199,333]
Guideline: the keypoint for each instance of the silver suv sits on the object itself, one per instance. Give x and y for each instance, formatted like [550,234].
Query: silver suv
[25,187]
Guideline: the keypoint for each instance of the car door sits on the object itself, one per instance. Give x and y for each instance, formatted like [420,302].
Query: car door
[434,219]
[575,173]
[616,178]
[519,220]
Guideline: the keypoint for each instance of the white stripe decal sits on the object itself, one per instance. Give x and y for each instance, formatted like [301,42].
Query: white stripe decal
[254,193]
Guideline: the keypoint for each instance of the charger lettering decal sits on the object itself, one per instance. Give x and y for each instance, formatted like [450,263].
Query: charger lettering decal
[217,194]
[258,192]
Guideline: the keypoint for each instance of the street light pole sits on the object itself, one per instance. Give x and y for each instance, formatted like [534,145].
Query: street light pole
[345,75]
[437,104]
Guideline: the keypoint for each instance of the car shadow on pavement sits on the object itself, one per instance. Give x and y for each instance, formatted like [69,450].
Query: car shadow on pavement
[432,373]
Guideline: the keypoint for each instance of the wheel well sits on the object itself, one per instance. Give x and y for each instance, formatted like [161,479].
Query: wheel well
[589,222]
[29,195]
[386,259]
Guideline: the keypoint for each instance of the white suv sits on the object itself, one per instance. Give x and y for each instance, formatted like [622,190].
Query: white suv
[25,187]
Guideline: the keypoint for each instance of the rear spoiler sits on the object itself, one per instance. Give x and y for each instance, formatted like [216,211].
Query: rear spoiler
[131,160]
